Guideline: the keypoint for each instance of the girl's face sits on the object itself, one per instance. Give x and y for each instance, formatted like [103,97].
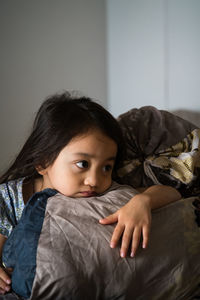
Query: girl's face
[84,167]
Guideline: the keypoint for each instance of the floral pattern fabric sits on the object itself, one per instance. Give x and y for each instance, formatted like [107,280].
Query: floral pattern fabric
[7,216]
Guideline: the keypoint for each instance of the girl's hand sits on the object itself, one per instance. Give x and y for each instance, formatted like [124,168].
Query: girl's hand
[5,280]
[134,220]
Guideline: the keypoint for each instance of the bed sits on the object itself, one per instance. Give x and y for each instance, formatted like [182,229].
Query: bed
[67,250]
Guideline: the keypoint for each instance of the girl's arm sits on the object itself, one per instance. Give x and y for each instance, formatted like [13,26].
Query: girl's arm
[134,218]
[5,280]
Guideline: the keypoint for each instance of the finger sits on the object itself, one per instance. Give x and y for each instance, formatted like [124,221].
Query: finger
[4,277]
[145,235]
[2,291]
[3,286]
[126,241]
[109,220]
[135,241]
[116,235]
[9,270]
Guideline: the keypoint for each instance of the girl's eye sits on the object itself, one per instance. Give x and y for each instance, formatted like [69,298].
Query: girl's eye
[83,164]
[107,168]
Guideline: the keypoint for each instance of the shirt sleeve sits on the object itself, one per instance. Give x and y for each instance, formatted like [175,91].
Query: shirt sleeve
[6,217]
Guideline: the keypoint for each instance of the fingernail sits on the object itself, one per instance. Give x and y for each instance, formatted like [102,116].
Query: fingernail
[7,288]
[132,254]
[8,281]
[122,254]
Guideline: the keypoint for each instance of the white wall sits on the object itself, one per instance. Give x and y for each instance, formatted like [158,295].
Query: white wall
[46,46]
[149,49]
[153,54]
[184,54]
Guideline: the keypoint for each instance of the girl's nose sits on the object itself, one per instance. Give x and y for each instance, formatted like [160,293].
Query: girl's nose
[92,179]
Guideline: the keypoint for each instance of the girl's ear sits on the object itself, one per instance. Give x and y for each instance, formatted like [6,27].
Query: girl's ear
[41,170]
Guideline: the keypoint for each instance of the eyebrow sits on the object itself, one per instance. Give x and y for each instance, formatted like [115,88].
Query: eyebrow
[92,156]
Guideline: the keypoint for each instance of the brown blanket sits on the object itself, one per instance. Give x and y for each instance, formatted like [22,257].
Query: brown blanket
[161,149]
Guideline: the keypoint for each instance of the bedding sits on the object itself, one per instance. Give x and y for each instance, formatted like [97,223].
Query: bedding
[162,148]
[93,273]
[190,115]
[68,254]
[73,259]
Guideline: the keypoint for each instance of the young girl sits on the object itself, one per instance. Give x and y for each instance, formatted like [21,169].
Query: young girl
[75,147]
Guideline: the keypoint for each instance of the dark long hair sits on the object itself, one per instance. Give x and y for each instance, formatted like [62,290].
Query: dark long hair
[59,119]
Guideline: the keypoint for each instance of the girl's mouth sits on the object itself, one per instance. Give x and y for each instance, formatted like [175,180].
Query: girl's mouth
[88,194]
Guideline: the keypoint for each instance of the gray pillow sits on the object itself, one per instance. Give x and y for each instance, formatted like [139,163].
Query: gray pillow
[75,261]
